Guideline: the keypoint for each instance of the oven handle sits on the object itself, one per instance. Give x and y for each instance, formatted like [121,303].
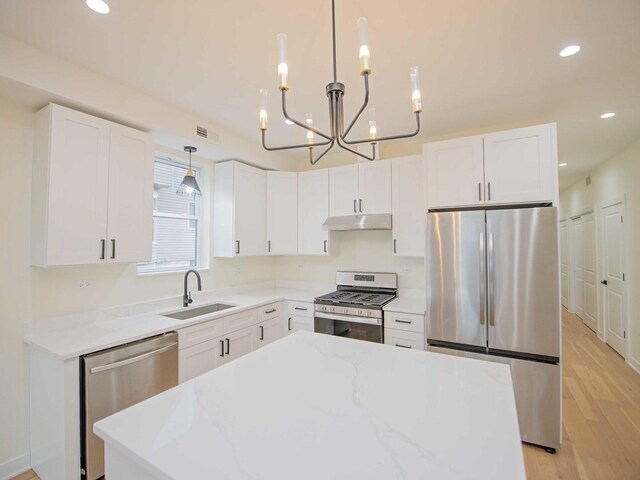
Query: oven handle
[349,318]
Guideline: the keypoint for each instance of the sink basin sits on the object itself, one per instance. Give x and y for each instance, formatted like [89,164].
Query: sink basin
[188,313]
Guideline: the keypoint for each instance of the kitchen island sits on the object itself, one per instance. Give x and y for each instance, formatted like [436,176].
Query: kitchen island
[315,406]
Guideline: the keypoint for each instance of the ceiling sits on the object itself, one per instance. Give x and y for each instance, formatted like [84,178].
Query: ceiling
[482,64]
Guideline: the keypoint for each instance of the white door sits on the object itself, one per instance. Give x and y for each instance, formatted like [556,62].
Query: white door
[270,331]
[408,208]
[455,172]
[343,190]
[250,198]
[297,322]
[374,187]
[78,188]
[130,195]
[518,165]
[282,213]
[198,359]
[589,272]
[578,269]
[313,210]
[239,343]
[564,263]
[615,300]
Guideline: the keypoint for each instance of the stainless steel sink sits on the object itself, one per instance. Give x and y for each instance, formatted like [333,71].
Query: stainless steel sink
[188,313]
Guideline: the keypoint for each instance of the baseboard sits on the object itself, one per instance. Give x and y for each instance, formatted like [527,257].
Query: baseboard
[15,466]
[633,363]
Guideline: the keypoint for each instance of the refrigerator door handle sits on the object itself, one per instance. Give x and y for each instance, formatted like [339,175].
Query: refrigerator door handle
[490,265]
[483,282]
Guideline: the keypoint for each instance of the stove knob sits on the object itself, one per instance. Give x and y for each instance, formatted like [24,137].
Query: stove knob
[332,309]
[346,310]
[369,313]
[359,312]
[323,308]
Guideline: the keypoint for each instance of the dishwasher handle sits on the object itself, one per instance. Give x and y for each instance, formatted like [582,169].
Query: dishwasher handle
[130,360]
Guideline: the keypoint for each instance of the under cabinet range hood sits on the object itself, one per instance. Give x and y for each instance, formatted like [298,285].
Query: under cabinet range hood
[375,221]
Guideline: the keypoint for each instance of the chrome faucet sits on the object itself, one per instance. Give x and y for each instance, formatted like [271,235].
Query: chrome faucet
[186,298]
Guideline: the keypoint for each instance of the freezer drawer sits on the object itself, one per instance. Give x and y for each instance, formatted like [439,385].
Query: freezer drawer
[538,396]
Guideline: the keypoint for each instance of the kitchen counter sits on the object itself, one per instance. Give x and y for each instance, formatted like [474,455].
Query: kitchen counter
[321,407]
[78,334]
[402,304]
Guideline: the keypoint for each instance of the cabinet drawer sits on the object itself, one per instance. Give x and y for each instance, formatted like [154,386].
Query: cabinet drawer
[304,309]
[403,339]
[248,318]
[293,323]
[199,333]
[267,312]
[409,322]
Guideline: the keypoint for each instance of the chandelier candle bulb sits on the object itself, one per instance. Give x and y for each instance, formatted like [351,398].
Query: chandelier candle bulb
[263,109]
[416,99]
[373,132]
[283,69]
[365,66]
[309,121]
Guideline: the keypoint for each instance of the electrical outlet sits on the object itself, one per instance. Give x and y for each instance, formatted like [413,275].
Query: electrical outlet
[83,284]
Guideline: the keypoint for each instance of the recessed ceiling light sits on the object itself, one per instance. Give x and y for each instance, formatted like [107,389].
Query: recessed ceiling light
[288,122]
[608,115]
[99,6]
[570,50]
[562,164]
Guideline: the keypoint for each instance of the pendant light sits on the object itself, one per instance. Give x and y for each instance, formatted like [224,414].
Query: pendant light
[189,185]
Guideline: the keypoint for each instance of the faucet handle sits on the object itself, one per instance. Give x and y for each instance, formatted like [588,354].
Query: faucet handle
[189,299]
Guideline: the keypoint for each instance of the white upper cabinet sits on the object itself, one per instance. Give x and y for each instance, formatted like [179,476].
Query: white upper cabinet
[282,213]
[240,213]
[409,211]
[360,188]
[313,210]
[92,190]
[509,167]
[455,172]
[343,190]
[519,165]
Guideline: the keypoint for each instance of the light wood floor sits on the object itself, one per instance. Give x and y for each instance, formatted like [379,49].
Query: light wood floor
[601,414]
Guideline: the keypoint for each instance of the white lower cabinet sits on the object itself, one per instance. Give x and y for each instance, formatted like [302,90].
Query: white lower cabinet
[198,359]
[404,339]
[239,343]
[405,330]
[295,323]
[270,331]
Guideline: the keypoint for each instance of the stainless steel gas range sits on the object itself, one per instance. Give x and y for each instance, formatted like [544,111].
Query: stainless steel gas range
[354,310]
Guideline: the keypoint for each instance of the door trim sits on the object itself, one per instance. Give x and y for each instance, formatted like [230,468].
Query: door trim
[622,201]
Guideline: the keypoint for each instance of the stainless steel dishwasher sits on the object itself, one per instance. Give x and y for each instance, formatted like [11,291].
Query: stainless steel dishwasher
[116,378]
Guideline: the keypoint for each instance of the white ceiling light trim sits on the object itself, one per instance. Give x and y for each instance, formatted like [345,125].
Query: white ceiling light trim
[607,115]
[570,50]
[99,6]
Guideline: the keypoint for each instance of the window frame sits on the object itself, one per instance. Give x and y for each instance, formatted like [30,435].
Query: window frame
[202,216]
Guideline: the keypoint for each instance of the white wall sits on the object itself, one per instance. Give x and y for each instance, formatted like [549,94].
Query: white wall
[618,176]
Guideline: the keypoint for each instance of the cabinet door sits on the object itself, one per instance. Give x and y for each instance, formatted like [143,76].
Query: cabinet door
[270,331]
[240,343]
[250,198]
[374,187]
[455,172]
[408,206]
[78,183]
[403,339]
[130,195]
[518,165]
[313,210]
[282,213]
[343,190]
[199,359]
[295,323]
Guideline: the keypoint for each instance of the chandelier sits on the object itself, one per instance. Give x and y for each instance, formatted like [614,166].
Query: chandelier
[335,93]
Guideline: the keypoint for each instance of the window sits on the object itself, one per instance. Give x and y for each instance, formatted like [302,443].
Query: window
[177,221]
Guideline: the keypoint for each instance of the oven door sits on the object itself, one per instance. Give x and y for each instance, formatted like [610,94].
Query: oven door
[359,328]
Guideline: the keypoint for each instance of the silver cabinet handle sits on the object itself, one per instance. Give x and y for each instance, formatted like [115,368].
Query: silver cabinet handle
[360,205]
[289,323]
[221,348]
[269,246]
[113,248]
[261,332]
[103,247]
[237,247]
[479,191]
[325,246]
[304,309]
[489,189]
[403,346]
[227,340]
[270,311]
[492,320]
[130,360]
[355,209]
[403,321]
[395,249]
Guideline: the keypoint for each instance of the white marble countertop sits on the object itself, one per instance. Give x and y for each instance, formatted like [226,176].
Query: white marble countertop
[407,305]
[77,334]
[321,407]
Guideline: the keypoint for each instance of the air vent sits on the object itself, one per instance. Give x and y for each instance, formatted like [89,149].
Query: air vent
[201,131]
[587,180]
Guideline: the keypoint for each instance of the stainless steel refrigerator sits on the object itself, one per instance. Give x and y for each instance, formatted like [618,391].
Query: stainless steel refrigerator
[493,294]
